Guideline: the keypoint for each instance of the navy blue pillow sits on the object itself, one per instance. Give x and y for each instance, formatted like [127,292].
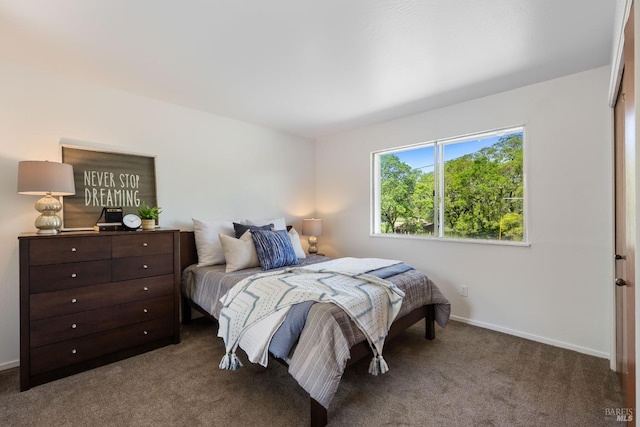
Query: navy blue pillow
[240,229]
[274,248]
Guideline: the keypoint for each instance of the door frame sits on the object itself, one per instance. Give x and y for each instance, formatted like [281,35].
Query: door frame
[622,15]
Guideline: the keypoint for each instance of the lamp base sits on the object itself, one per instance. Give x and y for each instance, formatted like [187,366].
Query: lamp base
[48,222]
[48,232]
[313,249]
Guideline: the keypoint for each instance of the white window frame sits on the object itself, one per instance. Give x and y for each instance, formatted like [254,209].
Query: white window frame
[439,207]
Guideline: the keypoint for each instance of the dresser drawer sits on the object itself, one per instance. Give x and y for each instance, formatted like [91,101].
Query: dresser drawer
[72,249]
[141,266]
[142,243]
[62,328]
[51,277]
[66,353]
[67,301]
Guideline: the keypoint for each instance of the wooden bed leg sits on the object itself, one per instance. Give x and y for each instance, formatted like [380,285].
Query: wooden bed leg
[186,310]
[430,327]
[318,414]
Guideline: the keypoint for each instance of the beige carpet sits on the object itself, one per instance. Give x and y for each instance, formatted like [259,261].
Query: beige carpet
[467,376]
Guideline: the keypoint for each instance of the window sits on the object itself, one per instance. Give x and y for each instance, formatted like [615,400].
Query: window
[469,187]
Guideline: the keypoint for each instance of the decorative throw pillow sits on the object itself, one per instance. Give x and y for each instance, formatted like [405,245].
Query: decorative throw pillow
[207,241]
[274,248]
[239,253]
[278,223]
[295,242]
[240,229]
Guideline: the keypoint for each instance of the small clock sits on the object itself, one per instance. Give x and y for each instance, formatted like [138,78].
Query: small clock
[131,222]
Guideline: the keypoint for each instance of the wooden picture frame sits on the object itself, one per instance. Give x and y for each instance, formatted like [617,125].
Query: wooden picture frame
[106,178]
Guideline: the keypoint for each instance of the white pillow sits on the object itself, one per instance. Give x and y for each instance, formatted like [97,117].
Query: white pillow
[239,253]
[207,241]
[295,241]
[278,223]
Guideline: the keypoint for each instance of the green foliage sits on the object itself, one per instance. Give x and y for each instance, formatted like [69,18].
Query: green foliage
[511,227]
[423,197]
[483,194]
[147,212]
[397,182]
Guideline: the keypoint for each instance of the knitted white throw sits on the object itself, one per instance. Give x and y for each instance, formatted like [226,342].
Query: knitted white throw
[371,302]
[352,265]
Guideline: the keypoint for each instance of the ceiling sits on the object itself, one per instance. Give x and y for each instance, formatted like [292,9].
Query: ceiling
[309,67]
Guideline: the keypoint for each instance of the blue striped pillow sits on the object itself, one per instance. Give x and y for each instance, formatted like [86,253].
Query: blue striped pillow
[274,248]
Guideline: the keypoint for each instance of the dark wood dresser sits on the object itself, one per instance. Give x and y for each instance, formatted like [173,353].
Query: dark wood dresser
[88,299]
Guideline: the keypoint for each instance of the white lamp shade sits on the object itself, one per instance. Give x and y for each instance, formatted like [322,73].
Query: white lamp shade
[312,227]
[42,177]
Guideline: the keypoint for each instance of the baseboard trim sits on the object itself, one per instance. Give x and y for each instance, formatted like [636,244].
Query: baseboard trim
[9,365]
[532,337]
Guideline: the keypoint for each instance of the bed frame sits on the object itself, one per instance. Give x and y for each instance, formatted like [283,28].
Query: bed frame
[189,255]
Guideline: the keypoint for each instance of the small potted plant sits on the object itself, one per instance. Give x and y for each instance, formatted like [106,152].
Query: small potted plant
[148,215]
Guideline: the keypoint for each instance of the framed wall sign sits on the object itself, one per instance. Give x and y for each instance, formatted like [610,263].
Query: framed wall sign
[106,179]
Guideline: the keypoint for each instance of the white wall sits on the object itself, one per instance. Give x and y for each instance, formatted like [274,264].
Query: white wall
[557,290]
[207,166]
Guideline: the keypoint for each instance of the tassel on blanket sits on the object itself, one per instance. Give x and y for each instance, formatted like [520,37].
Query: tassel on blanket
[378,366]
[230,362]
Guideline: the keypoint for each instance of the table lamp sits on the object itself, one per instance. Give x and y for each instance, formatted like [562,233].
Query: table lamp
[48,179]
[312,228]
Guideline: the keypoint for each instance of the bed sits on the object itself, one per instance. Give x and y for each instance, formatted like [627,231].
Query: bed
[203,286]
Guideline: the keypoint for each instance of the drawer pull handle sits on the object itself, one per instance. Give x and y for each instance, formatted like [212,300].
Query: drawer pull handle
[74,326]
[146,311]
[146,333]
[145,289]
[73,300]
[74,275]
[73,249]
[73,351]
[145,266]
[145,244]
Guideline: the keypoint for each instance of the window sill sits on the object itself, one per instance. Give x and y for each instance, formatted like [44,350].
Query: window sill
[450,239]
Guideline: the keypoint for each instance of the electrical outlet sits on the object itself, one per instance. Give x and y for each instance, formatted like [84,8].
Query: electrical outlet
[464,291]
